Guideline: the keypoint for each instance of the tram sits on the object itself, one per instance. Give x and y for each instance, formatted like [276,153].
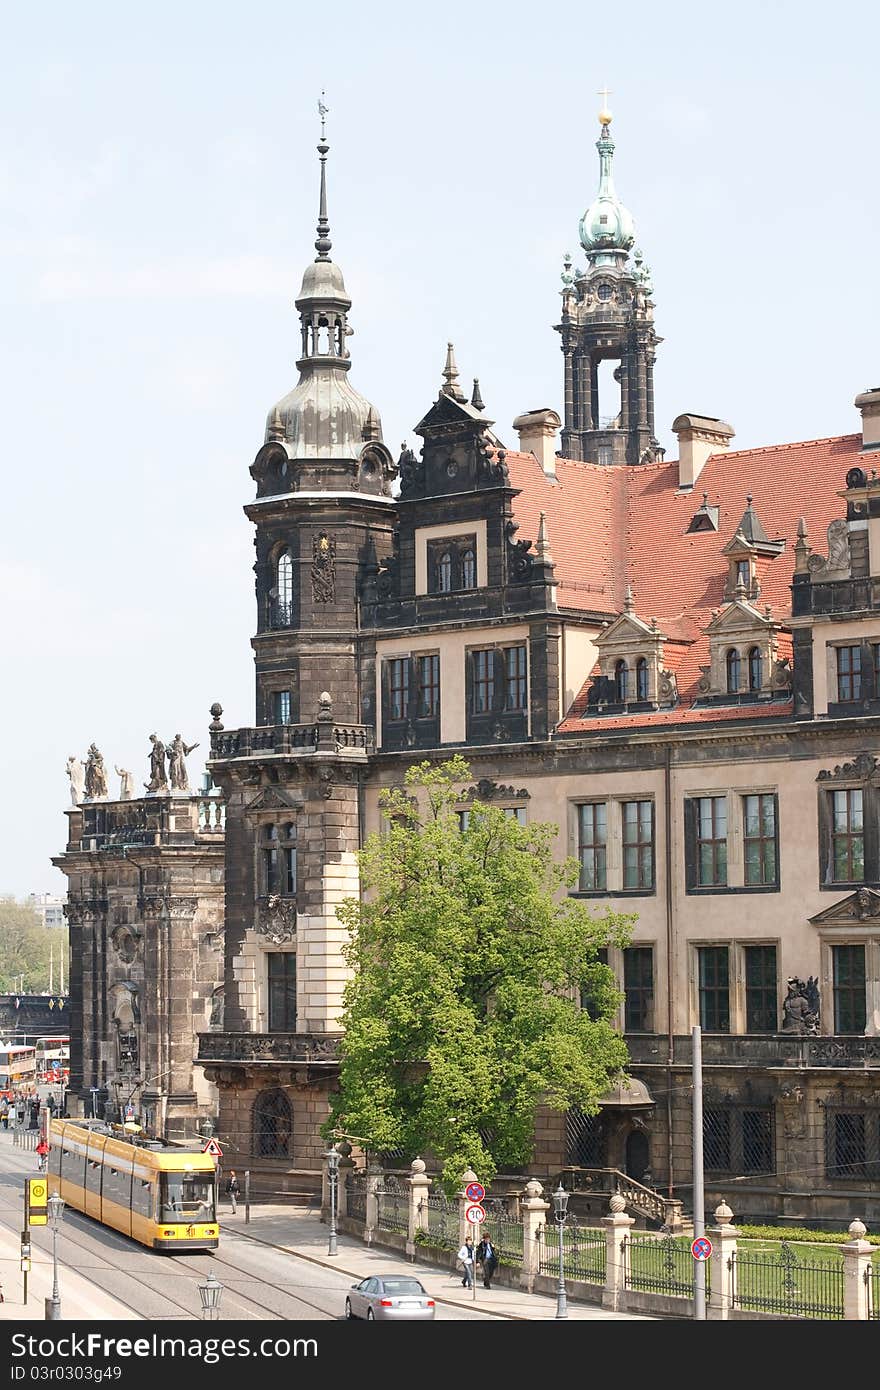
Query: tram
[161,1194]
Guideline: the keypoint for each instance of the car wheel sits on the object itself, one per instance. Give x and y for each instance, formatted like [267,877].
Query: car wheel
[371,1316]
[348,1312]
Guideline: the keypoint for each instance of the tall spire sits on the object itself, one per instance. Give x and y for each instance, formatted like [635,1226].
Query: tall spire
[450,385]
[607,231]
[323,244]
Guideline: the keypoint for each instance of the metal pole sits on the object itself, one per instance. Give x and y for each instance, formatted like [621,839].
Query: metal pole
[331,1248]
[699,1198]
[561,1302]
[247,1194]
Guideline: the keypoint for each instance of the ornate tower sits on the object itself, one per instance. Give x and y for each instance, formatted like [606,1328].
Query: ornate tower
[608,317]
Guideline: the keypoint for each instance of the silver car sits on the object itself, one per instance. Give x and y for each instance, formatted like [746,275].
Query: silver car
[393,1297]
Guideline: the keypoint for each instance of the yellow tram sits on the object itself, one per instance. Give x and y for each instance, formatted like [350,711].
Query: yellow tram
[160,1193]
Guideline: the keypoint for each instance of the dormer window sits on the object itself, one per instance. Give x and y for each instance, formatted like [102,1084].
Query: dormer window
[756,669]
[733,667]
[621,682]
[744,574]
[641,679]
[469,568]
[452,564]
[444,573]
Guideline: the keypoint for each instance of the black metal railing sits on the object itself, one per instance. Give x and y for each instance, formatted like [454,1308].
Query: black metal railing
[872,1285]
[356,1195]
[660,1264]
[504,1225]
[583,1252]
[788,1283]
[440,1217]
[392,1205]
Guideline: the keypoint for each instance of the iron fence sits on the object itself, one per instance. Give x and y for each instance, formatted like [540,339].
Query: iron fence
[872,1284]
[660,1264]
[392,1200]
[356,1195]
[505,1228]
[787,1283]
[440,1217]
[583,1252]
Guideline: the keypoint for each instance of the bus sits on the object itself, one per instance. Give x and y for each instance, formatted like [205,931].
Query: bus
[157,1192]
[53,1061]
[18,1069]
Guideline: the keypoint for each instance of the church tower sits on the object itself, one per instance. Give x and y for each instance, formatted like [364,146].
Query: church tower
[608,337]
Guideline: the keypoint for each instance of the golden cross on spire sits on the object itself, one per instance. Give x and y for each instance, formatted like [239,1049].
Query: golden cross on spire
[322,110]
[604,114]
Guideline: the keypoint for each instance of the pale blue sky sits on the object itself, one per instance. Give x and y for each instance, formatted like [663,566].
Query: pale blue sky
[158,192]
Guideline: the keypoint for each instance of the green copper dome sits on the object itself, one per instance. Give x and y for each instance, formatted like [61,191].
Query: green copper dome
[606,226]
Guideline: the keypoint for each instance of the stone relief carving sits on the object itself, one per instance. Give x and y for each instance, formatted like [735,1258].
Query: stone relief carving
[667,686]
[865,904]
[276,919]
[486,790]
[861,768]
[838,561]
[323,568]
[125,943]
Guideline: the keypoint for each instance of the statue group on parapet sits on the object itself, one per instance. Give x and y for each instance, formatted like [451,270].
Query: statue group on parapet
[88,779]
[800,1007]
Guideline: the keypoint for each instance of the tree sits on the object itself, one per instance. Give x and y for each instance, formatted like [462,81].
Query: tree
[462,1012]
[25,950]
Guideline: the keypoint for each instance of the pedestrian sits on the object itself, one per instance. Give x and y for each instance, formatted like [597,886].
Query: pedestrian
[232,1190]
[42,1152]
[465,1258]
[487,1256]
[4,1113]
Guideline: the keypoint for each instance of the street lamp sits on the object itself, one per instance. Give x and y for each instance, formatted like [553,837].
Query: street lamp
[210,1293]
[560,1207]
[206,1128]
[55,1207]
[332,1157]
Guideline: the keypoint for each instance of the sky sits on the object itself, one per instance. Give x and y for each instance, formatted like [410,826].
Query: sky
[158,199]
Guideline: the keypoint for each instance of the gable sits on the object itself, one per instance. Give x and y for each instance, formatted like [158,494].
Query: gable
[861,906]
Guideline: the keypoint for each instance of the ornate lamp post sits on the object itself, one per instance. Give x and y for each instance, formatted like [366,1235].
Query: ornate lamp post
[55,1207]
[206,1128]
[560,1208]
[210,1293]
[332,1157]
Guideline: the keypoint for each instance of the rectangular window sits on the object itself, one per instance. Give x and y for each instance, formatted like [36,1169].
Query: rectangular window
[398,688]
[850,1008]
[714,989]
[452,564]
[290,871]
[464,820]
[757,1141]
[761,866]
[849,673]
[429,687]
[716,1138]
[282,992]
[515,672]
[761,989]
[271,876]
[589,1003]
[281,703]
[484,681]
[845,1144]
[638,985]
[712,841]
[847,837]
[638,844]
[517,813]
[592,846]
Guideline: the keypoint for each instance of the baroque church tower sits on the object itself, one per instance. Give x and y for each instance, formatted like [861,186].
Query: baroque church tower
[608,317]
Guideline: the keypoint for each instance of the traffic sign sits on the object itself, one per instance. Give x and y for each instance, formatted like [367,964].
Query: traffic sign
[701,1248]
[475,1192]
[474,1213]
[212,1148]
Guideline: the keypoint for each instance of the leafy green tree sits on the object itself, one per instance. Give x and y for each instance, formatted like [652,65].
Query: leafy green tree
[25,950]
[462,1014]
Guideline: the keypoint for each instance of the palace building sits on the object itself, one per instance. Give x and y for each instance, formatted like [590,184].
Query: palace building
[677,661]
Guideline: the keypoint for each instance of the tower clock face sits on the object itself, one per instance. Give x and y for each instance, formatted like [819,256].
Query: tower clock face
[604,292]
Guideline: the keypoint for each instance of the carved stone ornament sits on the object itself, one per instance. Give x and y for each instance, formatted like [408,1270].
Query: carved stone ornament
[667,686]
[704,684]
[865,904]
[276,919]
[125,943]
[323,568]
[860,769]
[800,1008]
[484,790]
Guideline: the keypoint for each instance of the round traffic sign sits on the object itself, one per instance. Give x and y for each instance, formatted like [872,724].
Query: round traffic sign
[475,1192]
[475,1213]
[701,1248]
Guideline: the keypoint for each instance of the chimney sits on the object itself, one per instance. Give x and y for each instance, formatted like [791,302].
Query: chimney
[537,435]
[869,405]
[698,437]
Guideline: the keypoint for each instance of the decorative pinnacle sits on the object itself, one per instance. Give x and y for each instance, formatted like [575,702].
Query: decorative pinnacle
[542,548]
[323,243]
[629,603]
[476,398]
[450,386]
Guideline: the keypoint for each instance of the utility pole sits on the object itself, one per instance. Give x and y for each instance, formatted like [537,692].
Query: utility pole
[699,1198]
[51,967]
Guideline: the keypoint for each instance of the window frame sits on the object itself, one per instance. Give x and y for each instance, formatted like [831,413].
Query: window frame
[694,840]
[839,989]
[446,556]
[597,848]
[633,992]
[850,678]
[761,840]
[707,990]
[639,844]
[287,982]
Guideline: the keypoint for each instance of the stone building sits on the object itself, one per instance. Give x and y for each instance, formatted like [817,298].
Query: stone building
[657,655]
[145,913]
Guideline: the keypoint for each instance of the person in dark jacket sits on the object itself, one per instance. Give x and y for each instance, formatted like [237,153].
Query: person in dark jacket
[233,1190]
[487,1256]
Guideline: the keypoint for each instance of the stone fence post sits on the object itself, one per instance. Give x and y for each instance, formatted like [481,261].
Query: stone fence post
[419,1186]
[533,1210]
[463,1203]
[374,1181]
[856,1261]
[723,1258]
[617,1228]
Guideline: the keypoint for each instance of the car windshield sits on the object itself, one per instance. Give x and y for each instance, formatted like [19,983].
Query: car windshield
[402,1286]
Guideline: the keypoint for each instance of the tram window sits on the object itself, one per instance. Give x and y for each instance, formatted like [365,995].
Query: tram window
[187,1196]
[142,1197]
[55,1160]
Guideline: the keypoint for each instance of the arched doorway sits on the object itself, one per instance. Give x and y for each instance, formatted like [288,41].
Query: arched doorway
[638,1154]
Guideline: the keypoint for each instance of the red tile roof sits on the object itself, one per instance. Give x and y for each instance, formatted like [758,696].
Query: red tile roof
[610,526]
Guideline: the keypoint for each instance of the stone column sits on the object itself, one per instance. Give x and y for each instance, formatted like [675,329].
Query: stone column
[723,1237]
[533,1209]
[463,1203]
[374,1181]
[418,1191]
[617,1228]
[856,1260]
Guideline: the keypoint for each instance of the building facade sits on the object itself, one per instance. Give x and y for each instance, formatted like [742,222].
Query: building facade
[48,907]
[659,656]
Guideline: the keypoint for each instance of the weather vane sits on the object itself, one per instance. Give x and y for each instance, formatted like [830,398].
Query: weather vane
[322,110]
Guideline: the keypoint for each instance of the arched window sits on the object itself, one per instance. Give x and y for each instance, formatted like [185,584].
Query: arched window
[282,611]
[621,681]
[732,671]
[468,569]
[444,573]
[642,679]
[273,1125]
[756,669]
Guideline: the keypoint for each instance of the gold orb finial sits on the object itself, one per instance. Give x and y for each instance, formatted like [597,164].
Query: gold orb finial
[605,116]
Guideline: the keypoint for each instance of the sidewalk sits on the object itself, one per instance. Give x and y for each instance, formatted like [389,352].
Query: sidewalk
[301,1231]
[80,1299]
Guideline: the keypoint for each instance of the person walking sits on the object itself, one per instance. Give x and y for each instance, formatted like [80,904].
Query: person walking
[232,1190]
[487,1256]
[465,1258]
[4,1113]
